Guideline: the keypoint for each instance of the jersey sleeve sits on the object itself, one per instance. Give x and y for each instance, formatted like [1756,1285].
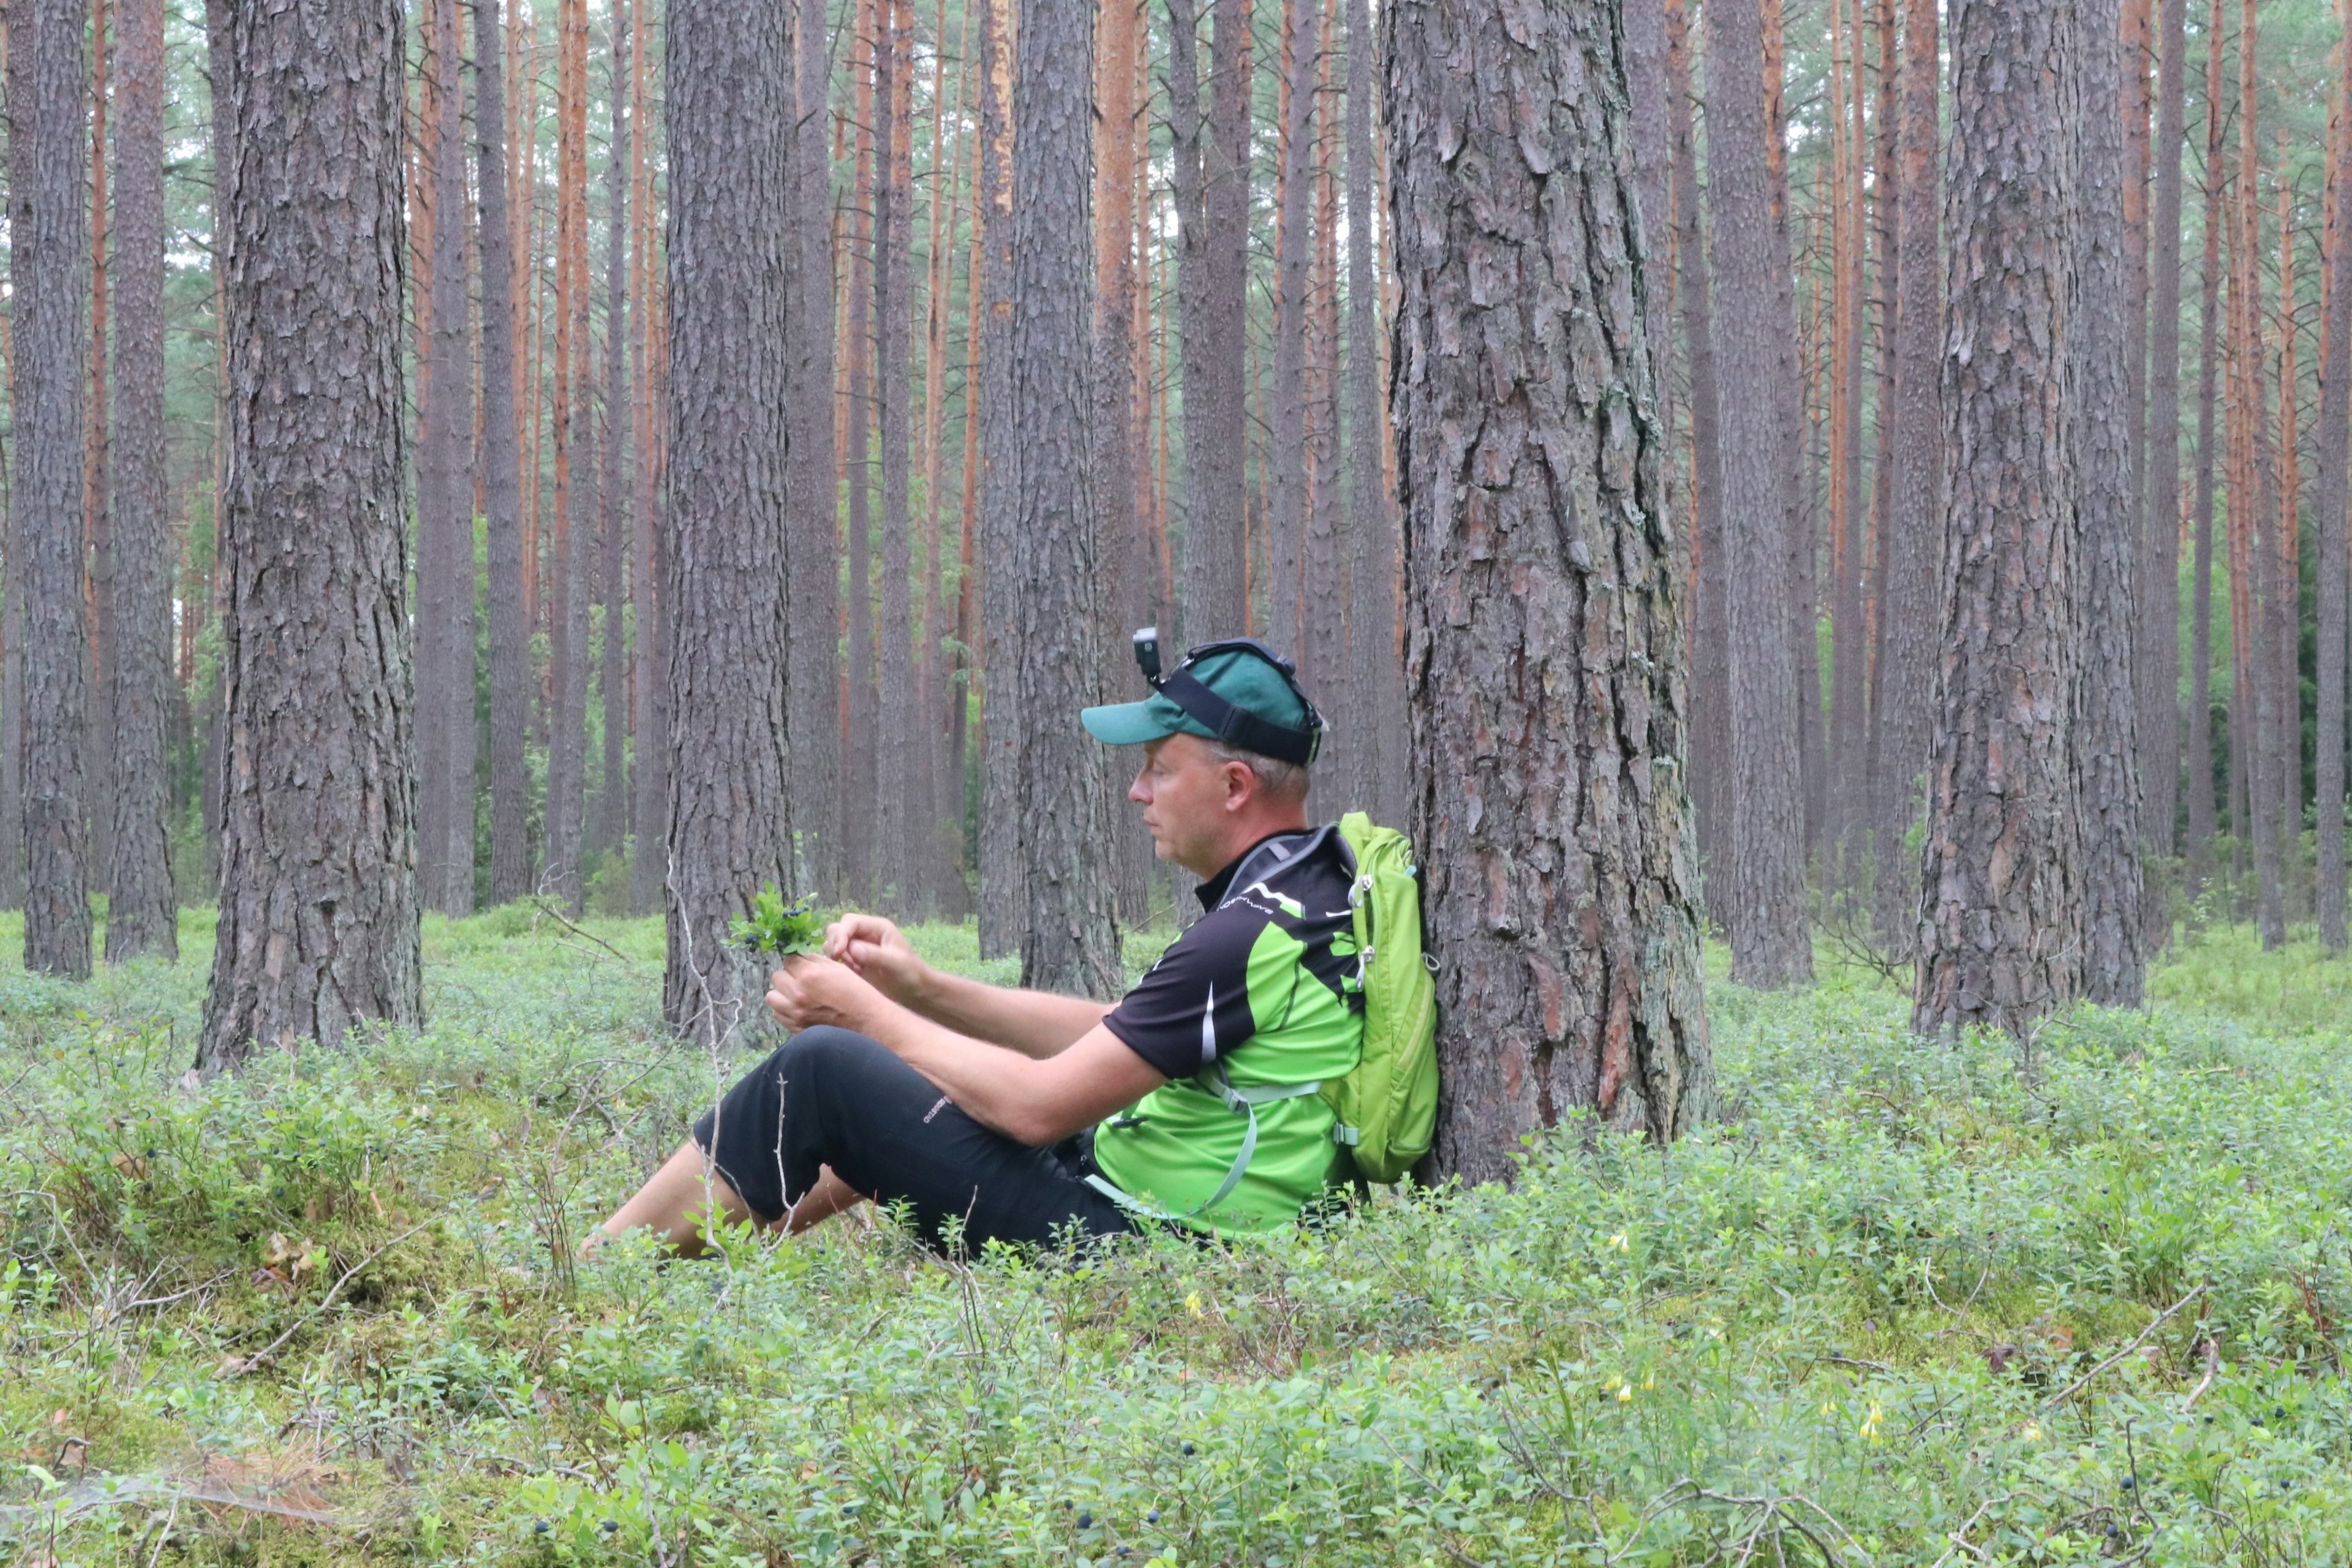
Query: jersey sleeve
[1193,1006]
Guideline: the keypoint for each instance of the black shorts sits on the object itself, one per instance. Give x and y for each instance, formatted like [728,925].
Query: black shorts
[832,1097]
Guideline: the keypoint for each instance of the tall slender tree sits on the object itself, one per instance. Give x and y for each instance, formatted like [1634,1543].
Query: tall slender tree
[1286,410]
[1766,908]
[649,813]
[1375,665]
[98,491]
[1214,352]
[2334,501]
[2002,897]
[2159,607]
[318,931]
[446,505]
[612,825]
[46,579]
[2105,730]
[2199,774]
[1563,896]
[724,563]
[861,817]
[2255,499]
[501,476]
[142,912]
[1003,851]
[1071,941]
[898,857]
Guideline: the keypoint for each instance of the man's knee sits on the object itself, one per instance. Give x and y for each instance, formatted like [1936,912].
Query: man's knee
[824,1051]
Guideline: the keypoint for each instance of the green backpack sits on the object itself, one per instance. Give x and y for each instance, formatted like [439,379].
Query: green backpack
[1387,1107]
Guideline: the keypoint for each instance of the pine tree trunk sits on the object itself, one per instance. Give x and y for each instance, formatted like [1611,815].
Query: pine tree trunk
[567,596]
[430,458]
[2198,771]
[319,903]
[649,865]
[1851,643]
[2159,607]
[860,807]
[1215,560]
[613,816]
[97,501]
[1545,666]
[1071,941]
[501,478]
[814,495]
[450,858]
[1004,852]
[2285,604]
[1915,536]
[1765,910]
[897,881]
[2259,497]
[2106,752]
[142,912]
[1286,412]
[2001,918]
[46,579]
[724,565]
[1323,626]
[1376,671]
[1710,741]
[2334,499]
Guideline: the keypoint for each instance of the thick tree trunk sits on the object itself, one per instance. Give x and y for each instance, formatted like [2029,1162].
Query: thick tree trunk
[613,816]
[1765,911]
[2106,755]
[1914,534]
[2159,607]
[2334,499]
[501,478]
[649,865]
[1546,662]
[2198,773]
[1710,737]
[1071,941]
[318,931]
[1376,671]
[724,566]
[813,496]
[860,814]
[142,912]
[1003,854]
[897,867]
[1286,411]
[46,580]
[2001,918]
[97,500]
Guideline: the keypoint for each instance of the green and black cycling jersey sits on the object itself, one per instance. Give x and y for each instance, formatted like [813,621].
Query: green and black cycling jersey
[1264,984]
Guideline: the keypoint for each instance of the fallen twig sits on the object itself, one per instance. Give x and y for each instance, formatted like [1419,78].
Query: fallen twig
[2212,1365]
[2138,1339]
[255,1360]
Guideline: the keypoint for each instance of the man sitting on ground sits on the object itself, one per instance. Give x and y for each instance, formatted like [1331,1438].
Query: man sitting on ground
[1021,1115]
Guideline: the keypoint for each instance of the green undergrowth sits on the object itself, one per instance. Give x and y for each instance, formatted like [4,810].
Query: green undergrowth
[1907,1302]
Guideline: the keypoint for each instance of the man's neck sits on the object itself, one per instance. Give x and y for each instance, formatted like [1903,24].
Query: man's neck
[1247,836]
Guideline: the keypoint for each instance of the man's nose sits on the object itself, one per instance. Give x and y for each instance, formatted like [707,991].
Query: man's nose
[1137,793]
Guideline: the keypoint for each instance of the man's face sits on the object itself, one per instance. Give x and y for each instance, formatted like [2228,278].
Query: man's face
[1186,791]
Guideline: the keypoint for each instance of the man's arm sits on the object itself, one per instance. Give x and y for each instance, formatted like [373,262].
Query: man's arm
[1037,1100]
[1035,1023]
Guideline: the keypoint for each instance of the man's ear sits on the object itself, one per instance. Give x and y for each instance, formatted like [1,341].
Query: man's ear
[1241,784]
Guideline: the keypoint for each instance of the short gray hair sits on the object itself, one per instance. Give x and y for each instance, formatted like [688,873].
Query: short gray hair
[1274,776]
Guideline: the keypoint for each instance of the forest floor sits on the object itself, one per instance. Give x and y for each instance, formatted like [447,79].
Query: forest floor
[1906,1303]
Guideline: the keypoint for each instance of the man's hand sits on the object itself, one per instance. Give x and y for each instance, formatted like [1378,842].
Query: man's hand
[878,952]
[807,991]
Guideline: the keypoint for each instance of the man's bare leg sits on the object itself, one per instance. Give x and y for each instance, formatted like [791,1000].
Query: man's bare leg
[675,1200]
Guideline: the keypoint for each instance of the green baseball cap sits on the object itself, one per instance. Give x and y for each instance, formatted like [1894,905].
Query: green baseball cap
[1239,691]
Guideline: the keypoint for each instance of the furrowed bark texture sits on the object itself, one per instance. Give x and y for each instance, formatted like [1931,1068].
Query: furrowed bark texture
[814,495]
[1213,350]
[1004,874]
[723,560]
[1765,907]
[2199,772]
[2335,497]
[613,584]
[898,853]
[1071,943]
[319,900]
[2001,938]
[449,860]
[1375,670]
[575,472]
[2106,753]
[48,241]
[858,807]
[142,913]
[2159,607]
[1915,539]
[1545,659]
[501,475]
[1286,410]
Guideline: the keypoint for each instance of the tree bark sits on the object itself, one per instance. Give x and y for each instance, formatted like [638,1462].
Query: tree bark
[97,500]
[814,494]
[1765,911]
[575,470]
[1071,941]
[1003,854]
[45,578]
[2159,618]
[2001,923]
[899,882]
[2258,497]
[1375,667]
[2198,773]
[1915,538]
[2106,752]
[448,857]
[2335,499]
[1710,739]
[501,478]
[1546,663]
[724,565]
[612,825]
[1850,641]
[649,865]
[1286,411]
[860,814]
[1215,582]
[142,912]
[319,903]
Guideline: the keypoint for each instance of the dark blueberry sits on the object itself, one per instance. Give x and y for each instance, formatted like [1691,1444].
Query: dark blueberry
[1122,1552]
[849,1508]
[1066,1505]
[1086,1522]
[540,1528]
[1152,1518]
[609,1526]
[2278,1411]
[2130,1481]
[2111,1532]
[1188,1450]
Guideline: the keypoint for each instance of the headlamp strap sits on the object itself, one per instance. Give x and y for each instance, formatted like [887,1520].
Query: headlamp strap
[1237,726]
